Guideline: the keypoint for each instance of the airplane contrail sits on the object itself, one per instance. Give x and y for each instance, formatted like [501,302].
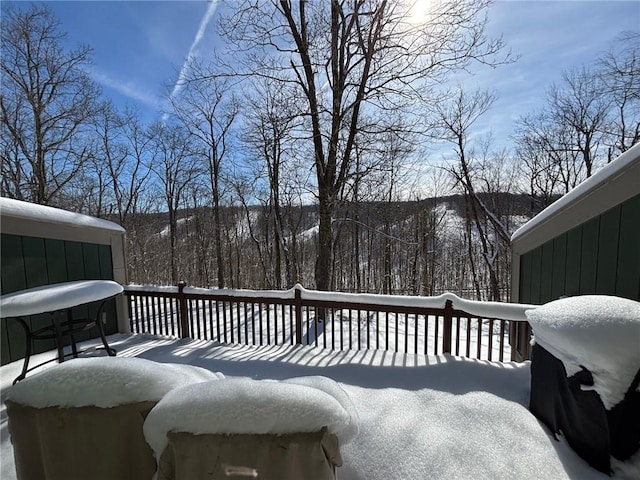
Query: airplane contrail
[213,5]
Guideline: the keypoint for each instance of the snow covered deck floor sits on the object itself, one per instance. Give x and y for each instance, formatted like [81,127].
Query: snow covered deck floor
[436,417]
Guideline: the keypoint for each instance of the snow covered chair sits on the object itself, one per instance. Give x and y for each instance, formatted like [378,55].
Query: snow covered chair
[83,419]
[585,377]
[250,428]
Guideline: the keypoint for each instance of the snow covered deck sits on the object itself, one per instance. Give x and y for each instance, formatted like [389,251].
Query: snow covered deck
[436,417]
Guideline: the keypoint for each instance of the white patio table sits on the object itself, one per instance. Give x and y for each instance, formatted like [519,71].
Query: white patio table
[54,300]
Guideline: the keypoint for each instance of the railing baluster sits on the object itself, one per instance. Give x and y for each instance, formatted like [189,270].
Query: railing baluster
[134,316]
[446,327]
[224,320]
[479,340]
[217,304]
[324,331]
[396,332]
[490,343]
[368,317]
[162,314]
[239,324]
[198,304]
[502,329]
[350,330]
[286,332]
[211,320]
[386,330]
[333,332]
[275,326]
[359,327]
[246,324]
[173,317]
[293,334]
[147,314]
[415,333]
[426,333]
[260,323]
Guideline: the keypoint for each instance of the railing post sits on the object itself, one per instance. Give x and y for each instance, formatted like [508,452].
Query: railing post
[182,308]
[513,340]
[520,339]
[446,334]
[298,309]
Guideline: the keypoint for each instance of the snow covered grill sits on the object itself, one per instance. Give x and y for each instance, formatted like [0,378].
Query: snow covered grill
[585,376]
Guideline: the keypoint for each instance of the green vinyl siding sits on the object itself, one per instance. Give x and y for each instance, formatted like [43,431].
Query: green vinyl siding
[608,252]
[572,271]
[536,277]
[589,256]
[56,260]
[601,256]
[30,262]
[525,280]
[106,264]
[559,266]
[546,270]
[35,262]
[628,262]
[74,260]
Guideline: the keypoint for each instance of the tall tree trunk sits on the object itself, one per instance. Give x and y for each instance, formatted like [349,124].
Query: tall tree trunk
[218,236]
[325,242]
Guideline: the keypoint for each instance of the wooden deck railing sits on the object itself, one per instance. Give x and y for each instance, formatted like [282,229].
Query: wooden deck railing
[338,321]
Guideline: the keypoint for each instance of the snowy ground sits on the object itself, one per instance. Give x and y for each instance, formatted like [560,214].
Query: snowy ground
[436,417]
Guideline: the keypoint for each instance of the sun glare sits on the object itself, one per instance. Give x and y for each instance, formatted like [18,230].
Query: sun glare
[418,11]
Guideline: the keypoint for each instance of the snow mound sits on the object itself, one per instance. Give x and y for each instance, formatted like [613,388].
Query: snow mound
[243,406]
[105,382]
[349,431]
[600,333]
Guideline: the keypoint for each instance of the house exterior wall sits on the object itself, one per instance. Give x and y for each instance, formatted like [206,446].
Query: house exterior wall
[38,250]
[29,262]
[600,256]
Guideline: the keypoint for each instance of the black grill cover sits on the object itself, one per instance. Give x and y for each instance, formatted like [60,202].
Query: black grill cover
[592,431]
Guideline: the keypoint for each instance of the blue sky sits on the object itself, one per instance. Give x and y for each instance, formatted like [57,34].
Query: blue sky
[139,47]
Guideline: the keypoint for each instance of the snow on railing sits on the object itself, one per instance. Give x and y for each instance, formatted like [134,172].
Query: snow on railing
[404,324]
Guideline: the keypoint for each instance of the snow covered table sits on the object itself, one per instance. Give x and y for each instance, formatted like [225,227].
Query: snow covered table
[585,376]
[83,419]
[55,300]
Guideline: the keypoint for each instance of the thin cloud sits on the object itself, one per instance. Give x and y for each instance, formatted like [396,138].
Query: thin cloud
[213,5]
[128,89]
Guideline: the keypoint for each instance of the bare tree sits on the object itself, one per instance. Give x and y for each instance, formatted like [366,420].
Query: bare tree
[538,164]
[128,172]
[456,119]
[347,57]
[46,102]
[270,120]
[207,109]
[579,104]
[175,167]
[619,71]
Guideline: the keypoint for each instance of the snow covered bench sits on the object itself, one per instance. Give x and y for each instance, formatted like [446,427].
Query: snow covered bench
[83,419]
[275,430]
[585,377]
